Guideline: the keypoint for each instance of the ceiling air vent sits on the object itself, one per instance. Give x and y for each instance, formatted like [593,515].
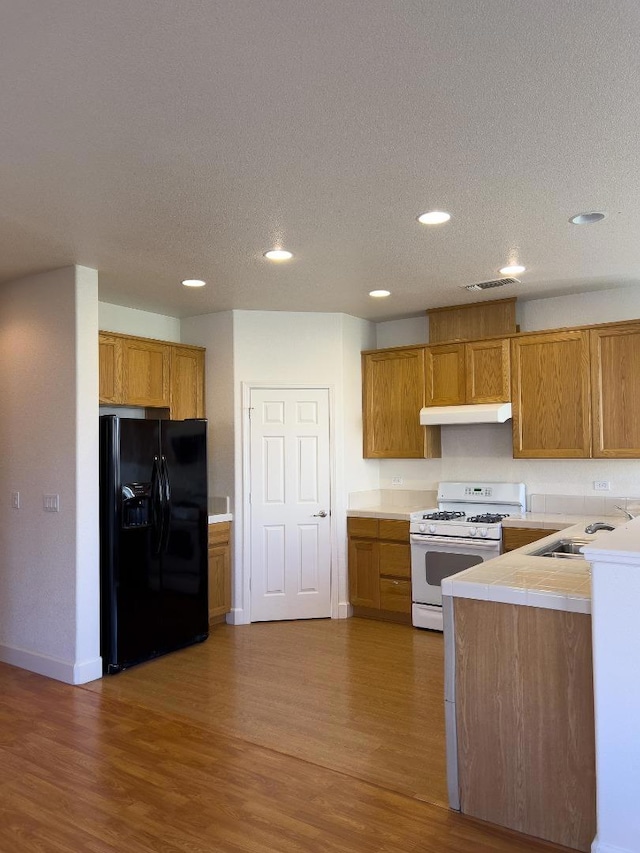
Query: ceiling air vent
[486,285]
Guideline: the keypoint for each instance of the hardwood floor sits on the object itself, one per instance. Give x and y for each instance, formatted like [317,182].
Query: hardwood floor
[269,738]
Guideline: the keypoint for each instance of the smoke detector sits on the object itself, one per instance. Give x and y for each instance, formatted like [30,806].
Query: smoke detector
[487,285]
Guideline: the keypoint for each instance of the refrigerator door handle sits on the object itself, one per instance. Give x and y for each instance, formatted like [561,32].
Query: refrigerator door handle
[166,499]
[157,505]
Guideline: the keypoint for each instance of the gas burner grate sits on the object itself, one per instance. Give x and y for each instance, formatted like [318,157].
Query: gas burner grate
[487,518]
[443,515]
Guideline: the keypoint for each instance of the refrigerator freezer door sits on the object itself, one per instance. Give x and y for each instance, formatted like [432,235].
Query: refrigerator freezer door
[184,560]
[130,572]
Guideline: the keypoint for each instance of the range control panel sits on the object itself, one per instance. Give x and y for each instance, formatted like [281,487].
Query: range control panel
[478,491]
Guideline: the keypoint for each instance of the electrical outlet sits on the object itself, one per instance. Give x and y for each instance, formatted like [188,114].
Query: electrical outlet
[397,481]
[51,503]
[601,485]
[15,500]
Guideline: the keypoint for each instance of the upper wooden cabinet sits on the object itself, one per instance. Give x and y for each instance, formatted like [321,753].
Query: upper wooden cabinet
[551,399]
[146,372]
[444,373]
[488,373]
[110,368]
[187,383]
[476,372]
[474,321]
[615,391]
[393,394]
[154,374]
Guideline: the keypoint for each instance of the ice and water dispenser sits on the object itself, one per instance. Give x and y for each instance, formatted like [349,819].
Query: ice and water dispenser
[136,505]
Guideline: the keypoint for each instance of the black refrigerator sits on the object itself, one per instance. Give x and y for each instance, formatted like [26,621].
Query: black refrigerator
[153,538]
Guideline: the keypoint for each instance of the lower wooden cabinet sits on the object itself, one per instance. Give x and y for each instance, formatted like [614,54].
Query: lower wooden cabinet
[517,537]
[380,568]
[219,570]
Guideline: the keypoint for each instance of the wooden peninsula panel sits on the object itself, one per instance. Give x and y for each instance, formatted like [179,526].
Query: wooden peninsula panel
[524,706]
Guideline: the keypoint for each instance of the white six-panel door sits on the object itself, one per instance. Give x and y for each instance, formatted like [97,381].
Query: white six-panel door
[290,491]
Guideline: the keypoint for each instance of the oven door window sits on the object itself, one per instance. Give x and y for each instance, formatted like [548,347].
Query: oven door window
[439,565]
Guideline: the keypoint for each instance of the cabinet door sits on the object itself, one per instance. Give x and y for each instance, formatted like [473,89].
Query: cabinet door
[364,579]
[393,394]
[110,369]
[445,375]
[487,372]
[147,366]
[187,383]
[219,569]
[551,402]
[517,537]
[394,560]
[615,390]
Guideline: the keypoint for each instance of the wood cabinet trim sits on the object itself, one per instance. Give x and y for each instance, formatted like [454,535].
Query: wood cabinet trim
[123,336]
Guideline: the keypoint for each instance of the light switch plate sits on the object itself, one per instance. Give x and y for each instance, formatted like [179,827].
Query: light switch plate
[397,481]
[601,485]
[51,503]
[15,500]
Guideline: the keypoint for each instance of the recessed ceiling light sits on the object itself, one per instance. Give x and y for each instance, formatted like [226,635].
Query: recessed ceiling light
[514,269]
[278,255]
[379,294]
[194,282]
[587,218]
[434,217]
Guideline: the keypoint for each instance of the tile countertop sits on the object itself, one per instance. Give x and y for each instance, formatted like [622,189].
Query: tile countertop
[220,516]
[386,511]
[517,577]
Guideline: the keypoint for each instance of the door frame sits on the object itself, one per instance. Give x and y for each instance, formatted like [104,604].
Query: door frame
[246,559]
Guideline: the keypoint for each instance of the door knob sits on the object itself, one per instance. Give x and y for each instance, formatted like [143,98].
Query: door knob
[321,514]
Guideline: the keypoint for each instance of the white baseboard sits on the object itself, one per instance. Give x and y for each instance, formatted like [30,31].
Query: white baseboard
[345,610]
[601,847]
[66,671]
[237,616]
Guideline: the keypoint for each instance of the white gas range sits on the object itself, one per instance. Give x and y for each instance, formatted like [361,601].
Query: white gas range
[465,529]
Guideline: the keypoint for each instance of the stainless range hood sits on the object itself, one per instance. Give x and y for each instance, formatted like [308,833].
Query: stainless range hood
[479,413]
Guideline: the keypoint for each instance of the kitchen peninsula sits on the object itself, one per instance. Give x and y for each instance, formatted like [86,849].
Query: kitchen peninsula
[519,692]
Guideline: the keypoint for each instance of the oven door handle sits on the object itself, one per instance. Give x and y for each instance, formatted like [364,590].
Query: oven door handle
[419,539]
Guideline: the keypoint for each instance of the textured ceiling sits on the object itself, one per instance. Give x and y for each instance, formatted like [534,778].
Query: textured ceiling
[158,140]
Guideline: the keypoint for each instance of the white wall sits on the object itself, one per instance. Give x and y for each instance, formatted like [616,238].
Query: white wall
[402,333]
[598,306]
[485,451]
[49,578]
[131,321]
[215,332]
[284,348]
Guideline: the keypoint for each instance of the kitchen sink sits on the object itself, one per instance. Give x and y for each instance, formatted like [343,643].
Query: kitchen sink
[563,549]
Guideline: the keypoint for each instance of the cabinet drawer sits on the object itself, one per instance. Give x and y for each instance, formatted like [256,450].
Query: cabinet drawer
[395,560]
[395,595]
[219,533]
[394,529]
[365,527]
[516,537]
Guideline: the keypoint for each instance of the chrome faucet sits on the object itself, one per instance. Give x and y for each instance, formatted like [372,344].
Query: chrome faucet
[629,515]
[598,525]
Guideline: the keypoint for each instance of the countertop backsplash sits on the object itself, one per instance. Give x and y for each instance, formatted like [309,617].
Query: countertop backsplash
[420,499]
[582,504]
